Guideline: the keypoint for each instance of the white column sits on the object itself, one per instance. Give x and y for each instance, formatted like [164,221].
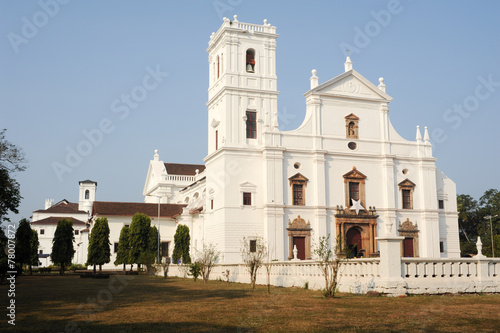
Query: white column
[391,280]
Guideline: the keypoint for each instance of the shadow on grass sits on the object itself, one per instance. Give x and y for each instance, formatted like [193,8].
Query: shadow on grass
[95,327]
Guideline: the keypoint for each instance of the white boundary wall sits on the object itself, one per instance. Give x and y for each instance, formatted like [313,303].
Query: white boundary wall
[389,274]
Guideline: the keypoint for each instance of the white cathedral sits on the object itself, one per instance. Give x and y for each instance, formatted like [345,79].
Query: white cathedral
[345,172]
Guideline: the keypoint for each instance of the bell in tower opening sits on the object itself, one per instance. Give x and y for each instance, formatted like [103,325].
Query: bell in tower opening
[250,61]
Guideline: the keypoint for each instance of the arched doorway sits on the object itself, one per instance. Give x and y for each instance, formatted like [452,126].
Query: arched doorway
[353,242]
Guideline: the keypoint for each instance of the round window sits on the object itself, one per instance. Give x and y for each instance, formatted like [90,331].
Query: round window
[296,165]
[352,145]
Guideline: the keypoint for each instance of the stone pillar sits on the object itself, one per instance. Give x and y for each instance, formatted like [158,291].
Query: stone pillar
[391,281]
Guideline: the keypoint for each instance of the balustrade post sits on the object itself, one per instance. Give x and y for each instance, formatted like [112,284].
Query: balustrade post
[390,268]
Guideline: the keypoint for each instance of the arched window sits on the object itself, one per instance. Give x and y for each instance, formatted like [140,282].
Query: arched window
[250,62]
[87,194]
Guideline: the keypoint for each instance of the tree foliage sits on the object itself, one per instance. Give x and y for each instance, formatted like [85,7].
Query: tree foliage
[99,252]
[62,244]
[23,243]
[10,195]
[122,255]
[473,222]
[330,262]
[253,253]
[148,257]
[194,270]
[34,244]
[11,156]
[11,160]
[139,237]
[207,259]
[181,246]
[3,255]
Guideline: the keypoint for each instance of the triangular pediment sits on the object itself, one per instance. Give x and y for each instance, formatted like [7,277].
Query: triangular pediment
[351,116]
[298,177]
[406,183]
[351,84]
[354,174]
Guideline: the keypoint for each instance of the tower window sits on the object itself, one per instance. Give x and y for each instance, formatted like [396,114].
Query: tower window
[42,231]
[406,199]
[298,183]
[247,198]
[298,195]
[253,245]
[250,62]
[216,140]
[87,194]
[407,187]
[353,192]
[251,124]
[441,204]
[218,67]
[77,232]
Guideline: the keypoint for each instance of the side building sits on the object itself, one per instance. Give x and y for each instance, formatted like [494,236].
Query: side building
[44,221]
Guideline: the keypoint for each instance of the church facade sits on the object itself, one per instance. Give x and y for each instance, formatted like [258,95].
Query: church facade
[345,172]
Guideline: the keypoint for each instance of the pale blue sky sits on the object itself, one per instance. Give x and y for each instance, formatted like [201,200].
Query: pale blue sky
[62,78]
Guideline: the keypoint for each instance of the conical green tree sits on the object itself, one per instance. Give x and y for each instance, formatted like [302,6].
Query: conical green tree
[62,244]
[139,236]
[34,244]
[99,252]
[181,247]
[122,255]
[23,243]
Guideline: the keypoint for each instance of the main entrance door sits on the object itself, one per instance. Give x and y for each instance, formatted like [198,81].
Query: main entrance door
[353,240]
[300,243]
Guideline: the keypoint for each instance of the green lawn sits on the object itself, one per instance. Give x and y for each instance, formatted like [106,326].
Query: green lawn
[153,304]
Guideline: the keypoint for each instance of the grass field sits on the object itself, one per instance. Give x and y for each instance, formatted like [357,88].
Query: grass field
[153,304]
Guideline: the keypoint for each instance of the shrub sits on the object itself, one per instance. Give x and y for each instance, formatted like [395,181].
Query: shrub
[194,270]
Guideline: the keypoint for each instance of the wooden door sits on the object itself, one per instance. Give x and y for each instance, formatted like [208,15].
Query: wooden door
[300,243]
[408,248]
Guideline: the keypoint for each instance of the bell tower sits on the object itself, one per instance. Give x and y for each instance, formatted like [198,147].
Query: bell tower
[86,197]
[242,93]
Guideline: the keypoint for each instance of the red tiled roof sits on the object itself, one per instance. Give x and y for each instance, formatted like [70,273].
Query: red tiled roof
[105,208]
[85,230]
[62,206]
[183,169]
[55,219]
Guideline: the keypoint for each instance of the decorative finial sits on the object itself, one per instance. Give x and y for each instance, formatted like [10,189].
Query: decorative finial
[348,63]
[235,18]
[265,21]
[426,135]
[419,135]
[314,79]
[381,85]
[157,157]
